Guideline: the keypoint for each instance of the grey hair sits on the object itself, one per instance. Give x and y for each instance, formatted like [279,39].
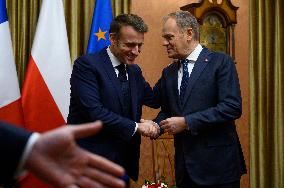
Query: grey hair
[185,20]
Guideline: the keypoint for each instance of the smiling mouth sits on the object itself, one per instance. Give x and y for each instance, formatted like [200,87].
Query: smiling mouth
[132,58]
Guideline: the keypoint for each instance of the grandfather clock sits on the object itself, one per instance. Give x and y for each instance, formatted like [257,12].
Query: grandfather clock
[217,22]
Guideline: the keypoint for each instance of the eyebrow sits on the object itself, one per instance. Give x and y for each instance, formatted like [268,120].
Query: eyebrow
[167,35]
[133,42]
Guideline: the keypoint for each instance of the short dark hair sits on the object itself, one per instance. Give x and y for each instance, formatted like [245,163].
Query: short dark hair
[184,20]
[128,20]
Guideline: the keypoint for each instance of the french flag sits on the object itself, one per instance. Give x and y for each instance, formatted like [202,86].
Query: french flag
[10,97]
[46,89]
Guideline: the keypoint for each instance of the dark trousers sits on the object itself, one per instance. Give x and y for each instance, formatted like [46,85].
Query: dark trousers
[189,183]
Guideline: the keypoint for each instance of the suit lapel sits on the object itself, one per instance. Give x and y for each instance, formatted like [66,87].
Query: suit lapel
[111,74]
[199,66]
[133,89]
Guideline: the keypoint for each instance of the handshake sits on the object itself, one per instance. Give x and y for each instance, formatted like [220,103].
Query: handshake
[148,128]
[172,126]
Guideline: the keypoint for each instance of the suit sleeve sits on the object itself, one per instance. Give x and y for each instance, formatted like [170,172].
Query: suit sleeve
[149,99]
[160,98]
[229,106]
[86,89]
[12,144]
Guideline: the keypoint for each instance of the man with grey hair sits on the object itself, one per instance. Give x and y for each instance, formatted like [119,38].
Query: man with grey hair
[108,86]
[200,99]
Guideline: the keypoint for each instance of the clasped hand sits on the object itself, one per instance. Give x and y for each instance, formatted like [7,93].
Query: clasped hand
[173,125]
[148,128]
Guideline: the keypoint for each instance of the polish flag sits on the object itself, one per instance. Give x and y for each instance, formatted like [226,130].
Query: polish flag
[10,98]
[46,89]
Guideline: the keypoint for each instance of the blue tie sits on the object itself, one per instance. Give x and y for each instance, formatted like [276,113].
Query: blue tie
[185,78]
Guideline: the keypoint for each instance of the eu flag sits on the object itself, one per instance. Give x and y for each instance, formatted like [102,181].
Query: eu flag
[102,18]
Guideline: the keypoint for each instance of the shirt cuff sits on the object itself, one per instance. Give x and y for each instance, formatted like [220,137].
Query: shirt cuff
[136,127]
[28,148]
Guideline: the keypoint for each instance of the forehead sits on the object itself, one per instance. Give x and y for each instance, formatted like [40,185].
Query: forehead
[129,34]
[170,26]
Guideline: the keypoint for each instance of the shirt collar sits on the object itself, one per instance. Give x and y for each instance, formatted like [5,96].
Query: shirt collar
[195,53]
[114,61]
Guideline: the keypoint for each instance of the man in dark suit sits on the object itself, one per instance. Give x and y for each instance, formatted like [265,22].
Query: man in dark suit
[55,158]
[200,99]
[108,86]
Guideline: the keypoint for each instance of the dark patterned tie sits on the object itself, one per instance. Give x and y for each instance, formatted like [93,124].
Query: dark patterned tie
[121,72]
[185,78]
[125,89]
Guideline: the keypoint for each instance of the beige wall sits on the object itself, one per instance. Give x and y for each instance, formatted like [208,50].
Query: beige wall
[153,59]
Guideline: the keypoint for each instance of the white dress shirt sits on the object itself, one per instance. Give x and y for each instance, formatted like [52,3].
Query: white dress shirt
[115,62]
[192,57]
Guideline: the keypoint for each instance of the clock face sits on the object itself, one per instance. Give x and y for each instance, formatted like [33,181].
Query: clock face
[212,33]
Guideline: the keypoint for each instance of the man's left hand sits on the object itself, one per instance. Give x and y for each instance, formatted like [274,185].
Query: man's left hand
[173,125]
[57,159]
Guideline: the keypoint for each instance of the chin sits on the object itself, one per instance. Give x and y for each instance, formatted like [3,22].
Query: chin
[130,62]
[171,56]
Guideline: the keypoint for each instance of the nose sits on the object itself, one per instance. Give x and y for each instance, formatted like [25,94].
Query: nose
[165,42]
[136,50]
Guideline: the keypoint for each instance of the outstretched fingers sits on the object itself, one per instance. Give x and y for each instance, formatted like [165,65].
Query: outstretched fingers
[87,129]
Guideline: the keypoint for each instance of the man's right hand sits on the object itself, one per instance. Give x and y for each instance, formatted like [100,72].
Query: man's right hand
[148,128]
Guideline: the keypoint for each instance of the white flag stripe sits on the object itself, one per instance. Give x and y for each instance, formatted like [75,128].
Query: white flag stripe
[51,53]
[9,87]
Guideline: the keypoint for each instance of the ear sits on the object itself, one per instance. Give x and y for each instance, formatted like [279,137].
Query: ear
[112,38]
[189,34]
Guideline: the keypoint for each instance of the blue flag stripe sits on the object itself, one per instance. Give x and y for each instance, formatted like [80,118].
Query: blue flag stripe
[102,18]
[3,11]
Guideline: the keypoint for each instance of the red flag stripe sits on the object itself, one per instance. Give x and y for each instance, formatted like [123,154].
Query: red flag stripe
[40,110]
[12,113]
